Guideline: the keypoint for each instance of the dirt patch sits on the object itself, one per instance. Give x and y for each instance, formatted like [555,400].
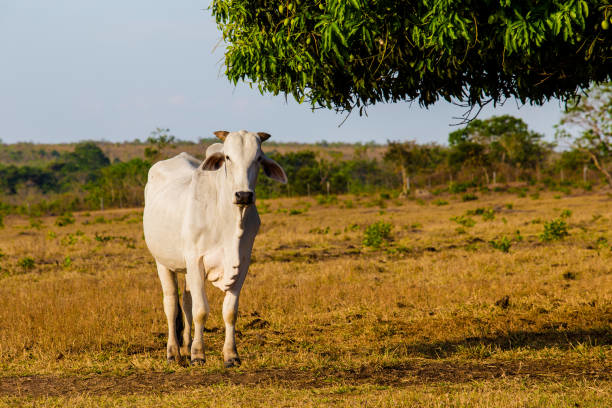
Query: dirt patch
[419,372]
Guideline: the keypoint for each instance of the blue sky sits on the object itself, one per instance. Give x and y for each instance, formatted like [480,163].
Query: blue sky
[115,70]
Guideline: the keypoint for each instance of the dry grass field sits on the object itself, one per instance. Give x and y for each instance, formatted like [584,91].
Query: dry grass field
[437,317]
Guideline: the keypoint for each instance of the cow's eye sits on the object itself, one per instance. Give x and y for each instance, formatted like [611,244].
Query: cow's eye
[227,158]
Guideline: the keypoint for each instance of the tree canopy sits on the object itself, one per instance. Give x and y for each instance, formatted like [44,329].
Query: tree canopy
[592,115]
[503,139]
[346,54]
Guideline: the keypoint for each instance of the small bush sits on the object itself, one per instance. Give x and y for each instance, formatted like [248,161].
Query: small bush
[554,230]
[348,204]
[385,196]
[103,238]
[318,230]
[503,244]
[520,192]
[440,202]
[36,224]
[1,220]
[509,206]
[69,239]
[469,197]
[67,261]
[488,215]
[566,213]
[325,200]
[517,236]
[377,234]
[64,220]
[26,263]
[352,227]
[297,211]
[463,220]
[101,220]
[455,188]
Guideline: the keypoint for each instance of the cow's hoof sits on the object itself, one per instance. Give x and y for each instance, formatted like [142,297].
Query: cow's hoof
[198,361]
[232,362]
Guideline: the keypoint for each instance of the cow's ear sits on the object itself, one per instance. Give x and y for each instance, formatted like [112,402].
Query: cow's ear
[263,136]
[273,170]
[213,162]
[221,134]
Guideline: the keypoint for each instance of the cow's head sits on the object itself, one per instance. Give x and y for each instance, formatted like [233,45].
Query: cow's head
[240,158]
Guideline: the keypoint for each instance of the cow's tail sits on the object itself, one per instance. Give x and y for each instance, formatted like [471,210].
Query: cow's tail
[179,324]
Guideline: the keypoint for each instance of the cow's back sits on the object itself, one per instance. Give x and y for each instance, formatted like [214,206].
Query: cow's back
[176,170]
[166,193]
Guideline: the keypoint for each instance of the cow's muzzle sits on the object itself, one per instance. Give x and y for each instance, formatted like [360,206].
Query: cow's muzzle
[243,198]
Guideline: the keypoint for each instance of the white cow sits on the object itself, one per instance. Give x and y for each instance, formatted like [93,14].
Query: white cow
[200,217]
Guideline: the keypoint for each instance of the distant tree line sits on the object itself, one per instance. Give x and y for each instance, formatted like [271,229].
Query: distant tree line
[485,153]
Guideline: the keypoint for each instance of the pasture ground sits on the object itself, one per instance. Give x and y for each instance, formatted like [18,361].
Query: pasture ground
[437,317]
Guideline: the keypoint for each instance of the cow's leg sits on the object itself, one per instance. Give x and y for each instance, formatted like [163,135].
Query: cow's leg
[230,313]
[171,308]
[200,310]
[188,318]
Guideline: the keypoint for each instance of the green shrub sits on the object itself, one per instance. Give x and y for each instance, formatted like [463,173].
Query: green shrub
[469,197]
[503,244]
[352,227]
[324,200]
[36,224]
[517,236]
[566,213]
[554,230]
[440,202]
[463,220]
[455,188]
[601,243]
[319,230]
[101,220]
[488,214]
[103,238]
[26,263]
[65,219]
[377,234]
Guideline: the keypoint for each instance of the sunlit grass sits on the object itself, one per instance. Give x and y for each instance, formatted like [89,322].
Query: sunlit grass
[473,325]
